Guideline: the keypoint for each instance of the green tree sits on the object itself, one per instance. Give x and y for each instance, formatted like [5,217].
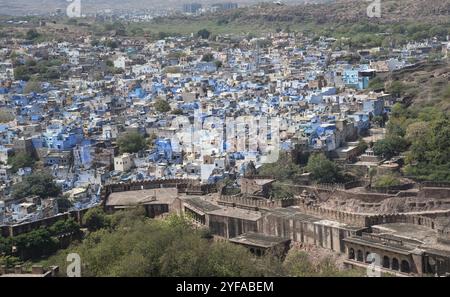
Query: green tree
[208,57]
[131,143]
[396,88]
[362,146]
[95,219]
[135,246]
[203,33]
[63,203]
[323,170]
[390,146]
[386,181]
[379,120]
[162,106]
[34,244]
[280,191]
[297,264]
[20,160]
[61,227]
[376,84]
[38,183]
[283,170]
[32,34]
[21,73]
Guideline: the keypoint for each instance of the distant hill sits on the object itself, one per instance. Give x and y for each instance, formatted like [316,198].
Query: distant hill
[426,84]
[23,7]
[319,11]
[342,11]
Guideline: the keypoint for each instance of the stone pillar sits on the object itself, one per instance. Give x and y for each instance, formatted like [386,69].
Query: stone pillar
[417,263]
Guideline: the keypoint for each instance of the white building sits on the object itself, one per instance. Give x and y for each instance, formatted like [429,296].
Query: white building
[123,163]
[6,71]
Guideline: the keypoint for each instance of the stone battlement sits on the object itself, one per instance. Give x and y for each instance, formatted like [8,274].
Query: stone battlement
[255,203]
[353,219]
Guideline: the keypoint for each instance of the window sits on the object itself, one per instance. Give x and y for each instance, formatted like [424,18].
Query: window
[351,254]
[395,264]
[359,256]
[386,262]
[404,267]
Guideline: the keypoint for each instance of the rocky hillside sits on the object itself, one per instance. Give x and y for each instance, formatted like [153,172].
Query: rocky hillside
[427,84]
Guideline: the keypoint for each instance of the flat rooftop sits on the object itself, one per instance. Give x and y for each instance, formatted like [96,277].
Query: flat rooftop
[415,234]
[148,196]
[377,243]
[201,204]
[259,240]
[236,213]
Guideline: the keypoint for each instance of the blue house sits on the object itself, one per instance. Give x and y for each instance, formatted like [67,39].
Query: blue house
[374,106]
[361,121]
[353,79]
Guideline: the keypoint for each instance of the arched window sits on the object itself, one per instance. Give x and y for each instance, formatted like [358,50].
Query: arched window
[404,267]
[359,256]
[368,259]
[395,264]
[386,262]
[351,254]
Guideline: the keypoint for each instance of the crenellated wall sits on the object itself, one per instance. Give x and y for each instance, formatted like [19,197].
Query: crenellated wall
[353,219]
[255,204]
[14,230]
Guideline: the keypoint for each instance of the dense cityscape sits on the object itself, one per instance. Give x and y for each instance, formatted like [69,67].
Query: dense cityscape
[277,152]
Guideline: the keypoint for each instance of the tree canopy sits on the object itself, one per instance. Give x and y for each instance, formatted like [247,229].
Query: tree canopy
[132,245]
[20,160]
[162,105]
[283,170]
[203,33]
[323,170]
[131,143]
[38,183]
[95,219]
[423,135]
[390,146]
[39,242]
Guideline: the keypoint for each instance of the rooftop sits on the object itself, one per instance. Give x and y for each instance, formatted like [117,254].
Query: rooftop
[201,204]
[236,213]
[150,196]
[408,232]
[259,240]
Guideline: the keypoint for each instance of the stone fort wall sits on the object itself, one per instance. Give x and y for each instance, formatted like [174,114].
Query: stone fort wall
[17,229]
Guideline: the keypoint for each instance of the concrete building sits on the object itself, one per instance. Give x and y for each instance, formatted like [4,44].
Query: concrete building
[123,163]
